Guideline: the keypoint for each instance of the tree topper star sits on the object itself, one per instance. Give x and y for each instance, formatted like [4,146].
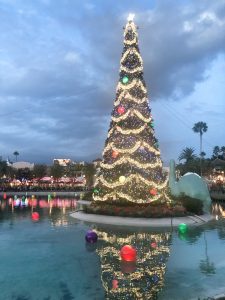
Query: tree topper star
[130,17]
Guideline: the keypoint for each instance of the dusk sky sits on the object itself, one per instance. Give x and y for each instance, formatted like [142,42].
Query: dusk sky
[59,68]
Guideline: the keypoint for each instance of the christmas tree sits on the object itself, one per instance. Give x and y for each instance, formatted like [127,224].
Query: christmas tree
[142,279]
[131,169]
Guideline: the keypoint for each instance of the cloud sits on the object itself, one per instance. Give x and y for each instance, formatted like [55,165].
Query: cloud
[71,57]
[60,66]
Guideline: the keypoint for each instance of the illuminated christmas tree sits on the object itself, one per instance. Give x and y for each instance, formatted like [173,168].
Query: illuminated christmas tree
[142,279]
[131,169]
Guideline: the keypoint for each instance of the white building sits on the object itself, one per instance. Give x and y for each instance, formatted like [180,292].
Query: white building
[62,161]
[23,165]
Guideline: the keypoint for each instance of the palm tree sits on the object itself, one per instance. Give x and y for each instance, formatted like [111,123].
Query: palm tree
[202,154]
[187,154]
[200,128]
[16,153]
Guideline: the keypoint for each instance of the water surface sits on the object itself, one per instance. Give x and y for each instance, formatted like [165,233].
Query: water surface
[49,258]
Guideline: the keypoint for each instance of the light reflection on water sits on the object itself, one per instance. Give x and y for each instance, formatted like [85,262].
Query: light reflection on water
[49,259]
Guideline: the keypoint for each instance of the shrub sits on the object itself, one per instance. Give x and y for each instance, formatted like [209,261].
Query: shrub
[192,205]
[137,210]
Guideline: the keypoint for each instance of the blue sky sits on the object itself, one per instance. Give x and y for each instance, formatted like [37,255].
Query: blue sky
[59,67]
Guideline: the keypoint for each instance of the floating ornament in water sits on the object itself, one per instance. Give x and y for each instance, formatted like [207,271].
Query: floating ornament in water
[91,236]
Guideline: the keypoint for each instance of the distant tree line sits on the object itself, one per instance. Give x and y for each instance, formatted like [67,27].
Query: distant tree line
[41,170]
[190,161]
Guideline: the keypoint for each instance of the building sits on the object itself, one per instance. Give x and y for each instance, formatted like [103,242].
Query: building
[218,171]
[62,161]
[97,162]
[22,165]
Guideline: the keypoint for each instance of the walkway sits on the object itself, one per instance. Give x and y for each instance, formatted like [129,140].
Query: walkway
[43,193]
[141,222]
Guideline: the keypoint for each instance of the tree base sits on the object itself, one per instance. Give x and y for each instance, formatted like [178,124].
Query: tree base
[154,210]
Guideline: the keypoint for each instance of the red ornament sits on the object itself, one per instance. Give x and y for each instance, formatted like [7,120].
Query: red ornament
[115,284]
[35,216]
[128,253]
[153,245]
[128,267]
[121,110]
[4,196]
[115,154]
[153,192]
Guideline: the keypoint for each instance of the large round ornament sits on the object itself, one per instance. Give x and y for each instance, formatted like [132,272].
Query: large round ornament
[153,245]
[128,253]
[115,154]
[182,228]
[115,283]
[91,237]
[121,110]
[153,191]
[122,179]
[125,79]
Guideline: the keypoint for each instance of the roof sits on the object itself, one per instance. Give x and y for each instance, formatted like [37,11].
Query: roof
[218,162]
[23,165]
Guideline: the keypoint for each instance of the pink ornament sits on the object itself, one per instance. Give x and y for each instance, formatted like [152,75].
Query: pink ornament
[115,154]
[121,110]
[153,192]
[153,245]
[115,284]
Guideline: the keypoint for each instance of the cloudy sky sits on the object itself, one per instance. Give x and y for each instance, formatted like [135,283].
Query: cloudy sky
[59,67]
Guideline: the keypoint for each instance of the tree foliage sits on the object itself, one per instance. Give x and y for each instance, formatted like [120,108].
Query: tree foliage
[56,171]
[89,171]
[16,153]
[187,154]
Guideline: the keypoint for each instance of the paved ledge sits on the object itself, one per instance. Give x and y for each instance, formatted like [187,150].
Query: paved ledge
[84,202]
[219,297]
[141,222]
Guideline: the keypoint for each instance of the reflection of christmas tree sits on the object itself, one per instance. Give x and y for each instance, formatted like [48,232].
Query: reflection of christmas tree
[206,266]
[140,280]
[131,168]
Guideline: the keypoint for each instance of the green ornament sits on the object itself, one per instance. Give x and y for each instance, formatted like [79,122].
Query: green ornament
[151,124]
[182,228]
[96,191]
[125,79]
